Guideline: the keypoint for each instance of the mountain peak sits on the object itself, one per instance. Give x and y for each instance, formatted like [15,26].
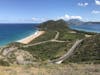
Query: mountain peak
[75,21]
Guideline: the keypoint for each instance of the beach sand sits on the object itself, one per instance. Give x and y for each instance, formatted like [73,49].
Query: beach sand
[31,37]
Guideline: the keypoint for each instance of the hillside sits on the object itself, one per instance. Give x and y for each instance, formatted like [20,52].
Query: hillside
[53,25]
[88,51]
[56,42]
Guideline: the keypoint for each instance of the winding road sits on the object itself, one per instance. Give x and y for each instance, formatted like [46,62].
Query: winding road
[65,56]
[68,54]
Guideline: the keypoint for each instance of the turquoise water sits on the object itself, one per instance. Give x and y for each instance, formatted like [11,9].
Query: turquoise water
[88,28]
[13,32]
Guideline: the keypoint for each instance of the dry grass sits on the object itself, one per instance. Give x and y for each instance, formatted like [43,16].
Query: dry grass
[70,69]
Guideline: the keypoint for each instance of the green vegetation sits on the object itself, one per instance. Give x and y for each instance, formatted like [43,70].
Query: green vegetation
[4,63]
[71,36]
[88,51]
[51,25]
[53,50]
[46,51]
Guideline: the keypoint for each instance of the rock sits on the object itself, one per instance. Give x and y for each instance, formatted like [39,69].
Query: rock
[23,57]
[16,56]
[5,51]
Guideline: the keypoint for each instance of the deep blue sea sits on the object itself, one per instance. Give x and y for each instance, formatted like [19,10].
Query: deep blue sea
[88,28]
[13,32]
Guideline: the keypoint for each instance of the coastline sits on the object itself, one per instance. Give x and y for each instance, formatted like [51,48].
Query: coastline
[73,27]
[28,39]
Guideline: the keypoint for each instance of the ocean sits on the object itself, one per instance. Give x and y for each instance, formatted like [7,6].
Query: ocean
[14,32]
[86,27]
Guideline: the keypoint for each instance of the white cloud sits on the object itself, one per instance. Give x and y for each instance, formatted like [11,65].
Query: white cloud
[34,19]
[97,2]
[39,19]
[83,4]
[95,12]
[67,17]
[76,17]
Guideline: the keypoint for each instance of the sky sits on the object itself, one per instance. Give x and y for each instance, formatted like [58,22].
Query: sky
[35,11]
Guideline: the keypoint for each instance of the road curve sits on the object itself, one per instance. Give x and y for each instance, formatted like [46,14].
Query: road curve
[68,54]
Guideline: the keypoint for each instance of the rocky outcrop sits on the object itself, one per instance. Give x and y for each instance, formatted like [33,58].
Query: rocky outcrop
[13,55]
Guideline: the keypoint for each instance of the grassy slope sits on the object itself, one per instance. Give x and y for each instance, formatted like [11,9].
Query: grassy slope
[69,69]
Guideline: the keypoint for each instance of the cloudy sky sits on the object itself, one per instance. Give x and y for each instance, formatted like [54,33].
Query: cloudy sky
[41,10]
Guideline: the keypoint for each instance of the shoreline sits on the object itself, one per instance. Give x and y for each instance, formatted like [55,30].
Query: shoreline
[28,39]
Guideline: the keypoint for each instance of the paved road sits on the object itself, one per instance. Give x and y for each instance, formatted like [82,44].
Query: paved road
[36,43]
[57,35]
[68,54]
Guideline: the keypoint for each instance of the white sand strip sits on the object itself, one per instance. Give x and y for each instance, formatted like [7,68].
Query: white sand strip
[31,37]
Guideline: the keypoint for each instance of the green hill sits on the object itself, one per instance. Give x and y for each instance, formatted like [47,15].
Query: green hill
[53,25]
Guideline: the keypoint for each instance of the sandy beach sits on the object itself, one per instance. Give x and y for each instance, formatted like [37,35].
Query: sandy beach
[31,37]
